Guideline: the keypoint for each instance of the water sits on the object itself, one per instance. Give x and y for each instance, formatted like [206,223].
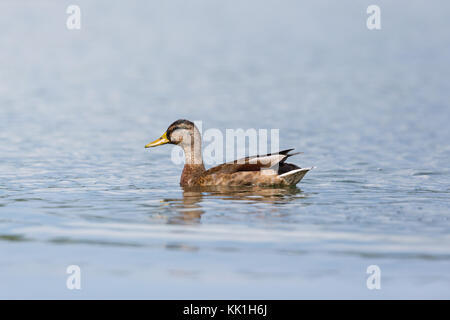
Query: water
[369,109]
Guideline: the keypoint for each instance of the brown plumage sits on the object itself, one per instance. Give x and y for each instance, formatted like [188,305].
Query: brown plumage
[266,170]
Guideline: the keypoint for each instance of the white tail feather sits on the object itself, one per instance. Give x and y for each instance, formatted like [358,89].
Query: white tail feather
[294,176]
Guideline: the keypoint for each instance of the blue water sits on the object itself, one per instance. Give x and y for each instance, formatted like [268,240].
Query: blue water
[369,109]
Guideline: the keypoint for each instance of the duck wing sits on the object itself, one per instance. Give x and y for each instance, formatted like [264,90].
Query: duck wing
[253,163]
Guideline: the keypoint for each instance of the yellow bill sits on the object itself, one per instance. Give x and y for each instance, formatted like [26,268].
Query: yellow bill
[159,141]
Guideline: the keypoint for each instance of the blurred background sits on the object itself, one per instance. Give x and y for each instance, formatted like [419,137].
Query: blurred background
[369,108]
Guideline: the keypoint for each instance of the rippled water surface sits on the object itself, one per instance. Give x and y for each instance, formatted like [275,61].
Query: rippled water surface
[369,109]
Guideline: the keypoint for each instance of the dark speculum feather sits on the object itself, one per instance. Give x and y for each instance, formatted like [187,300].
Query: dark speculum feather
[286,167]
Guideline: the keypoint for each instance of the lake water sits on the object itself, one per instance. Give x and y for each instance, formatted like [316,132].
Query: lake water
[369,109]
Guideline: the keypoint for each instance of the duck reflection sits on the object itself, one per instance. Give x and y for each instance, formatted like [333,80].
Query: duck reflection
[189,208]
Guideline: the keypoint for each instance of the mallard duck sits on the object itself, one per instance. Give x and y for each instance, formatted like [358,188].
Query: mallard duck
[267,170]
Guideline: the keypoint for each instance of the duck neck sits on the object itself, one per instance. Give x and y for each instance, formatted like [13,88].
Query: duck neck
[193,165]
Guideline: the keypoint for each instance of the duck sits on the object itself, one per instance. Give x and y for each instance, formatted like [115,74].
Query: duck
[260,170]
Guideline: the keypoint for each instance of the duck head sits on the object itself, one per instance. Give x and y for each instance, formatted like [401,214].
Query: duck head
[185,134]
